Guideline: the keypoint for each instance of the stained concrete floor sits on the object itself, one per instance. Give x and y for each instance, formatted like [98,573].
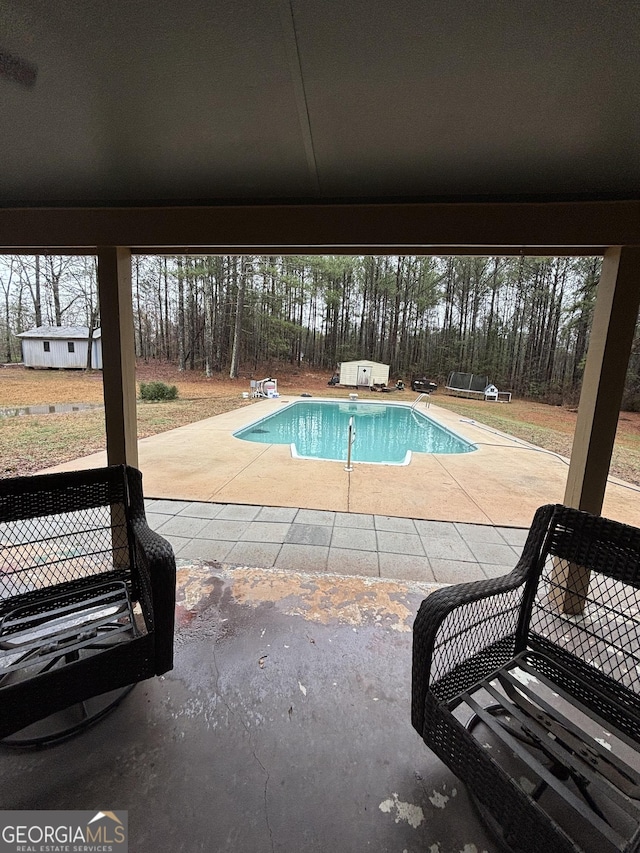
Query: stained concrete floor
[284,726]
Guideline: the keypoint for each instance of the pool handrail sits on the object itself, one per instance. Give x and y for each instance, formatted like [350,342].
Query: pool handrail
[419,398]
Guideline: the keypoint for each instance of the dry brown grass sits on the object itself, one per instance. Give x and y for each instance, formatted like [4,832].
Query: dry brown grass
[551,427]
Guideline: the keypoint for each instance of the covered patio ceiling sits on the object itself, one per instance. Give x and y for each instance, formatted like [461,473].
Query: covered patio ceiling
[165,103]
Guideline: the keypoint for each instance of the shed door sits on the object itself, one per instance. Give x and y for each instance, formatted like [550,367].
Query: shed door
[363,375]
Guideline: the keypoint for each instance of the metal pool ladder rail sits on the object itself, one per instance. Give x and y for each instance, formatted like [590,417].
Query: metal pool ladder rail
[351,435]
[420,397]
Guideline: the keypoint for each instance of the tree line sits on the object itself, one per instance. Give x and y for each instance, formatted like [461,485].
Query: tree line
[522,321]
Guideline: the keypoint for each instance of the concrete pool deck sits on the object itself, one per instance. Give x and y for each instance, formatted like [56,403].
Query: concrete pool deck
[501,483]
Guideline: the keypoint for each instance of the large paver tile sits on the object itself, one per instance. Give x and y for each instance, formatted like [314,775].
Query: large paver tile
[308,534]
[315,516]
[277,513]
[453,571]
[514,535]
[238,512]
[205,549]
[177,542]
[354,538]
[489,552]
[479,533]
[405,567]
[182,526]
[358,520]
[222,529]
[436,529]
[267,531]
[156,519]
[169,507]
[261,554]
[303,558]
[201,509]
[400,543]
[492,571]
[345,561]
[446,549]
[394,525]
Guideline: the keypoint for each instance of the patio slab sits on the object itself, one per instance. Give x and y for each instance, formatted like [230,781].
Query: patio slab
[501,483]
[284,726]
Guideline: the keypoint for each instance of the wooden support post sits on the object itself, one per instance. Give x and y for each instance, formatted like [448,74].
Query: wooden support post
[569,587]
[610,341]
[118,355]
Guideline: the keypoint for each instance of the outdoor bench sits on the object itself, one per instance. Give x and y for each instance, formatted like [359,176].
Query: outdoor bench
[87,597]
[527,687]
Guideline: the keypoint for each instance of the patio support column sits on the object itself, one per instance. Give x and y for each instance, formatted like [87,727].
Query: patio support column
[610,341]
[118,354]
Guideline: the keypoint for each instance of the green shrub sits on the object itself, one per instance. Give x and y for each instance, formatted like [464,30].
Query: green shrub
[157,391]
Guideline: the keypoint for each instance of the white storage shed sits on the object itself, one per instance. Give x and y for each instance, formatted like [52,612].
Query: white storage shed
[363,373]
[60,347]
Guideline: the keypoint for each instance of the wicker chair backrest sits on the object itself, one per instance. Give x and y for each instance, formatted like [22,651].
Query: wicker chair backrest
[586,608]
[60,528]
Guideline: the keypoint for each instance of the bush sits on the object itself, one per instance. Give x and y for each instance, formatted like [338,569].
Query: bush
[157,391]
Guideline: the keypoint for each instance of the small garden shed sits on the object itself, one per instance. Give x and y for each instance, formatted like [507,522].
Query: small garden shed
[61,347]
[363,373]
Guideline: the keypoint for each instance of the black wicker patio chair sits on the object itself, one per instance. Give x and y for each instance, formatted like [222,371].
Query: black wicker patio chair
[527,687]
[87,597]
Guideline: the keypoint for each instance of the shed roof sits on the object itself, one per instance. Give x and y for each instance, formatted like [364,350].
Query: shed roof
[363,361]
[64,332]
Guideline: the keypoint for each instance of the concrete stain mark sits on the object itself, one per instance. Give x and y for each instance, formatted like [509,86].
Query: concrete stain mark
[318,598]
[527,785]
[205,709]
[408,812]
[438,800]
[196,588]
[326,598]
[193,584]
[413,815]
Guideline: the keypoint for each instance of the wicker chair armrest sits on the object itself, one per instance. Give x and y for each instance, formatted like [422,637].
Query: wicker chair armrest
[156,566]
[452,630]
[463,633]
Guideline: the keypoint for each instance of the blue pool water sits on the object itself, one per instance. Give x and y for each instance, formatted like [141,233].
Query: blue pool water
[383,434]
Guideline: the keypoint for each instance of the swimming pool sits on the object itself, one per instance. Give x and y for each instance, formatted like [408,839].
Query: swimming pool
[384,434]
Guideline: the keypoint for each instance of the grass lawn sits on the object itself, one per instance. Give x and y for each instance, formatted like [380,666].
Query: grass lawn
[32,442]
[551,427]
